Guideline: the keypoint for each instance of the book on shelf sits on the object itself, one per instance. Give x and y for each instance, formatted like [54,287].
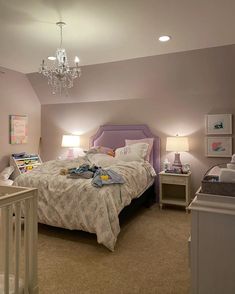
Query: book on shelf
[23,162]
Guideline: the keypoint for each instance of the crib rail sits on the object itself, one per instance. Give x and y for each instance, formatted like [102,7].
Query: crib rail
[15,203]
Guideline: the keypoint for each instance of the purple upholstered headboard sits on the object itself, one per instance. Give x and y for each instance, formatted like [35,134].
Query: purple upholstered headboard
[114,136]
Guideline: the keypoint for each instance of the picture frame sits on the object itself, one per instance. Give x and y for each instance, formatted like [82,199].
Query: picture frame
[18,129]
[218,146]
[219,124]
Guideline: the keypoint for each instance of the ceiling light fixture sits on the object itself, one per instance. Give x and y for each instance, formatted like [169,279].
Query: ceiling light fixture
[51,58]
[60,76]
[164,38]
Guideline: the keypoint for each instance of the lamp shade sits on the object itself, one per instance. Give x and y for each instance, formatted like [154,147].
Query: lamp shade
[177,144]
[70,141]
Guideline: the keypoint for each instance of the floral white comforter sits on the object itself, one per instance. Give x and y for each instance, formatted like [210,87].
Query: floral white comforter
[76,204]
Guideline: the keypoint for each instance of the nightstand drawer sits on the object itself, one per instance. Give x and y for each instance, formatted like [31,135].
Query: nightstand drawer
[173,180]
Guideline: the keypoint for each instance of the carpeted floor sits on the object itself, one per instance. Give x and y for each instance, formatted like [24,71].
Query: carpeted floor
[151,256]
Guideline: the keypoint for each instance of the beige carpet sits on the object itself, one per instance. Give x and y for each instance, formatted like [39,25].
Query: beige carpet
[150,257]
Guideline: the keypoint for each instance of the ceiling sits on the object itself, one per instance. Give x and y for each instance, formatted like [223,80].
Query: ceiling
[100,31]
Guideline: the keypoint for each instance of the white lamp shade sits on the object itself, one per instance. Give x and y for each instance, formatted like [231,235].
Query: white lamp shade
[177,144]
[70,141]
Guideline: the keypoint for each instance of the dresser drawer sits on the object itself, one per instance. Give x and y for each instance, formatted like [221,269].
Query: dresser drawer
[174,180]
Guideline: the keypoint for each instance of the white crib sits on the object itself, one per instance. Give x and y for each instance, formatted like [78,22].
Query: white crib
[18,260]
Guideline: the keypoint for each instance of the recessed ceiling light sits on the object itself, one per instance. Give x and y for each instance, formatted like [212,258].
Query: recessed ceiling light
[51,57]
[164,38]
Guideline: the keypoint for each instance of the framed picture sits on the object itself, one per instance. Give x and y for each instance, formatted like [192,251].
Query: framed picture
[18,129]
[219,124]
[219,146]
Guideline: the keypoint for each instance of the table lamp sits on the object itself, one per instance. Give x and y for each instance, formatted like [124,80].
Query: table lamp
[177,144]
[70,141]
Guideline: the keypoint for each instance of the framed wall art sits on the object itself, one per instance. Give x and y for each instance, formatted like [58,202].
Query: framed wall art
[219,146]
[18,129]
[219,124]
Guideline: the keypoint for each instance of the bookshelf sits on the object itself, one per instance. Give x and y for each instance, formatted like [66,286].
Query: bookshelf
[24,164]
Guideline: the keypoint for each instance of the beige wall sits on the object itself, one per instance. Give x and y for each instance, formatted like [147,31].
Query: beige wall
[17,97]
[170,93]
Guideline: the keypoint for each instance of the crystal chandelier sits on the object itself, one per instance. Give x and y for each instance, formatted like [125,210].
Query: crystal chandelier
[60,76]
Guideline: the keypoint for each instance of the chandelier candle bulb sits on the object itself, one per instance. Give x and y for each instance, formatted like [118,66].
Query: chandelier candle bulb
[76,60]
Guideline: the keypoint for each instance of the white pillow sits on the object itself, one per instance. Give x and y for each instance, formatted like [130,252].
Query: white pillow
[139,149]
[149,141]
[5,174]
[129,157]
[102,160]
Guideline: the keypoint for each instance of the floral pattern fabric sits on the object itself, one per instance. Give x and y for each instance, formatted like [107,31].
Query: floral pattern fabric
[76,204]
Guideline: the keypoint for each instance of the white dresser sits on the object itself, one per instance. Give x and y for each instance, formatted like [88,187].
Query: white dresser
[212,246]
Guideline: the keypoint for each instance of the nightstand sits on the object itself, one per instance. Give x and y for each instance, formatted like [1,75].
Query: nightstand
[175,189]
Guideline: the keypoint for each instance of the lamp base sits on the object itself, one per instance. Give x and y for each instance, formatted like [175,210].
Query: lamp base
[70,154]
[177,162]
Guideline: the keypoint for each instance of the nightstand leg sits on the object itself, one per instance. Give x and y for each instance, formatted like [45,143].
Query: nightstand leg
[161,205]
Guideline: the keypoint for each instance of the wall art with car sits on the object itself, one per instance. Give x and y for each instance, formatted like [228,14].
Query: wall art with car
[220,144]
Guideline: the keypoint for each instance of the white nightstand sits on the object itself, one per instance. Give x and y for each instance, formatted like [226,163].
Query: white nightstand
[175,189]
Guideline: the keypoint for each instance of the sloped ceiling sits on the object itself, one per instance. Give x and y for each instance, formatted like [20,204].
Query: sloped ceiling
[101,31]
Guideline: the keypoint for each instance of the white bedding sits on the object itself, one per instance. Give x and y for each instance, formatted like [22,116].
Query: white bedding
[76,204]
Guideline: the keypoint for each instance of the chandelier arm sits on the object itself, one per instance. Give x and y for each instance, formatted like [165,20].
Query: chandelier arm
[61,35]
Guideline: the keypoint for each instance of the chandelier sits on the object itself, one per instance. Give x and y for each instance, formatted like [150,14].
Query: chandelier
[60,76]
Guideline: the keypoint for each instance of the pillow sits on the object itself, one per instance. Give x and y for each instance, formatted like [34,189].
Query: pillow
[102,160]
[5,174]
[101,149]
[139,149]
[149,141]
[129,157]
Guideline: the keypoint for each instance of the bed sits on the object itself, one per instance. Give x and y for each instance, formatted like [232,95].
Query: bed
[77,205]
